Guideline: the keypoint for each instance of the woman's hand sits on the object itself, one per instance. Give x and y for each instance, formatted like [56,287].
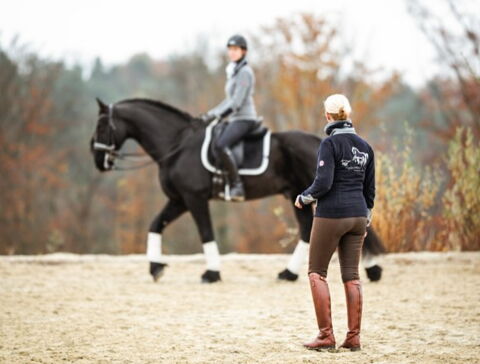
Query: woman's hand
[298,202]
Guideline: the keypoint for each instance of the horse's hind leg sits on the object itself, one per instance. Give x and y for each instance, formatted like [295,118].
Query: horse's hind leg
[297,259]
[171,211]
[372,247]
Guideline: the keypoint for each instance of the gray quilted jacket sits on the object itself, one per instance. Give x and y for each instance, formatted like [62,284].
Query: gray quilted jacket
[239,89]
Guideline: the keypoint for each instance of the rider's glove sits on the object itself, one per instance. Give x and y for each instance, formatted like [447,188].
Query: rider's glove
[207,118]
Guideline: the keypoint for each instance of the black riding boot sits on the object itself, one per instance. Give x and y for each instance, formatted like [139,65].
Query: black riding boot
[237,193]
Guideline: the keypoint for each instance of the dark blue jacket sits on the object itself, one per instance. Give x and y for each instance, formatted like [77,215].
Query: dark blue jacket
[344,184]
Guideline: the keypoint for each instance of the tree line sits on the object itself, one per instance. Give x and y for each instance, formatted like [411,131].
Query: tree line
[427,141]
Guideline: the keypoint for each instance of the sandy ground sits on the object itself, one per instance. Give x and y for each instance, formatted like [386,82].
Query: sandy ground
[104,309]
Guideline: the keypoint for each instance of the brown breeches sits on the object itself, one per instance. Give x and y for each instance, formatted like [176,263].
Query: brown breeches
[345,233]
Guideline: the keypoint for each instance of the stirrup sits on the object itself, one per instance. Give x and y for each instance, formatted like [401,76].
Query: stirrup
[227,196]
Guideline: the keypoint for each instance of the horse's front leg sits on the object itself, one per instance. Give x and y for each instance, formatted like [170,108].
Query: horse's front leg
[172,210]
[198,206]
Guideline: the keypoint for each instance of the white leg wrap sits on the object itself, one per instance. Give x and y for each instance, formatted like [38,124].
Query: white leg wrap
[369,260]
[154,248]
[298,257]
[212,255]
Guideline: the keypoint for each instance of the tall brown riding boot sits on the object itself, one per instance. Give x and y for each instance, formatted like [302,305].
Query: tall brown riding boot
[321,301]
[353,294]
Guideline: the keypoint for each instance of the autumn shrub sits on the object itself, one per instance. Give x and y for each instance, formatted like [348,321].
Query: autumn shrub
[461,200]
[404,199]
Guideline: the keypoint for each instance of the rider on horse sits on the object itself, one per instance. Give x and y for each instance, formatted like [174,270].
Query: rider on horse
[238,109]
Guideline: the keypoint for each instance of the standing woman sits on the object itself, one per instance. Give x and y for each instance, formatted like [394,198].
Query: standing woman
[237,108]
[344,188]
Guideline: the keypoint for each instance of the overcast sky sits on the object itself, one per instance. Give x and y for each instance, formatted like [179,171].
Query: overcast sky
[385,34]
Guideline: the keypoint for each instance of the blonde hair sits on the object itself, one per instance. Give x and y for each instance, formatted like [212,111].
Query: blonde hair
[341,115]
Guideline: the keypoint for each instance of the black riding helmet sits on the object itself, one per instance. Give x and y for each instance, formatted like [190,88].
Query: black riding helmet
[237,40]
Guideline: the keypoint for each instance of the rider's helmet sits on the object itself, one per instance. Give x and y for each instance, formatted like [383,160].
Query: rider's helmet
[237,40]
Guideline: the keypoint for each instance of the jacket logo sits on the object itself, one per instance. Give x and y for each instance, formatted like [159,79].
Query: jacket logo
[358,161]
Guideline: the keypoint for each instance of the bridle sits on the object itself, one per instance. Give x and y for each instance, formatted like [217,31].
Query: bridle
[109,149]
[111,137]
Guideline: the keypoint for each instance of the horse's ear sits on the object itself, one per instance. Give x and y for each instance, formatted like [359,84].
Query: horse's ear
[101,106]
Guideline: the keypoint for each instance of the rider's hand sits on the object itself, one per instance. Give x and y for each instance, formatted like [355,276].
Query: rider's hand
[206,117]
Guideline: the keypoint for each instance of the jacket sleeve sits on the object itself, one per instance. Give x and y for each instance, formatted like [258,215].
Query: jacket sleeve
[325,172]
[222,109]
[369,182]
[243,84]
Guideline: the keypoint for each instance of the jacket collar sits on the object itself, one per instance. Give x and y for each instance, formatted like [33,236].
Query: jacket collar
[339,127]
[233,67]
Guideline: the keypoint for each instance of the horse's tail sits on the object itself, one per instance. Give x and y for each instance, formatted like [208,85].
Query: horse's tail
[300,157]
[372,243]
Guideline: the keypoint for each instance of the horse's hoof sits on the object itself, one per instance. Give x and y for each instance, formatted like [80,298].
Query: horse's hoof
[157,270]
[287,275]
[374,273]
[211,276]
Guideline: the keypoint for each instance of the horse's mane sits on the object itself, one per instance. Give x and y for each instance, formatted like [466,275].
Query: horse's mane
[183,114]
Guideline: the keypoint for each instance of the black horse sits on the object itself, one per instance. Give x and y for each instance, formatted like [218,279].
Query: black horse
[173,139]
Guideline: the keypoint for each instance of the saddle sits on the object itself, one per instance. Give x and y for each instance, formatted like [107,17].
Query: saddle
[251,153]
[239,148]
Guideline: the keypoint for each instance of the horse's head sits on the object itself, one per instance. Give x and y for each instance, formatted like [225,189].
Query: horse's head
[110,133]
